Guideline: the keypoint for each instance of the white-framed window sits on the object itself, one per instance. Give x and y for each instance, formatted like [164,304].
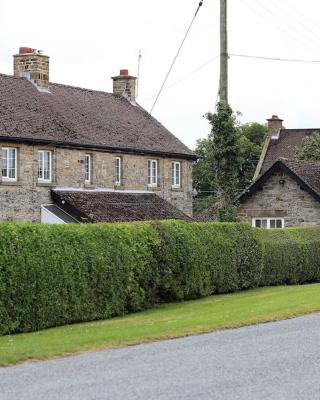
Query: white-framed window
[117,172]
[44,166]
[176,174]
[268,223]
[9,164]
[87,168]
[152,172]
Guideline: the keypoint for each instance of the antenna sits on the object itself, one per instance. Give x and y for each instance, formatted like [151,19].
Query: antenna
[138,79]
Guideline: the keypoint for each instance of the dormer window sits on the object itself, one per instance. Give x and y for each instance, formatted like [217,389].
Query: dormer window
[44,166]
[9,164]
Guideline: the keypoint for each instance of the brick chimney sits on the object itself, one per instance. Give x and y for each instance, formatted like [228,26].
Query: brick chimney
[125,85]
[33,65]
[274,127]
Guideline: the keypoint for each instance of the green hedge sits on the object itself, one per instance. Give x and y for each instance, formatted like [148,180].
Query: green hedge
[290,256]
[59,274]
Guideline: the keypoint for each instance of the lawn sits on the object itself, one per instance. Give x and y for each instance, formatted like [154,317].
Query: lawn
[166,321]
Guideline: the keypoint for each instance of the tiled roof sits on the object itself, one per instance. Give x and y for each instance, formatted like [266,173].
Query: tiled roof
[305,173]
[308,171]
[285,147]
[80,117]
[104,206]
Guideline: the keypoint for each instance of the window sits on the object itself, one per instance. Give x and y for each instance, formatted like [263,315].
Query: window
[87,168]
[152,172]
[268,223]
[117,173]
[9,164]
[176,174]
[44,165]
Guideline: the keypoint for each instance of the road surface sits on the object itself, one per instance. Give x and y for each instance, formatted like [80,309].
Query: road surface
[274,361]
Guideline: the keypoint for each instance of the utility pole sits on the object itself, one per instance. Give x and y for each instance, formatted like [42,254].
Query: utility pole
[223,87]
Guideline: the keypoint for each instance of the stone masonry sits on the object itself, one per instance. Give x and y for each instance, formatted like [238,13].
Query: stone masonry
[22,200]
[284,199]
[34,64]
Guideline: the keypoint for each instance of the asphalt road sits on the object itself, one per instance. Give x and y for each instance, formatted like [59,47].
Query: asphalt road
[279,360]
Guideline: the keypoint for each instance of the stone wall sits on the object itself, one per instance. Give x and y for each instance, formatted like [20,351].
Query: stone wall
[22,200]
[282,200]
[37,65]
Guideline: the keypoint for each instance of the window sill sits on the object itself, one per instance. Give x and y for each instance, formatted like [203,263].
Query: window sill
[154,188]
[89,186]
[176,188]
[46,184]
[10,183]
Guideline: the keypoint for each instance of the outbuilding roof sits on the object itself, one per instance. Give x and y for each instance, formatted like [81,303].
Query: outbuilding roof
[115,206]
[75,117]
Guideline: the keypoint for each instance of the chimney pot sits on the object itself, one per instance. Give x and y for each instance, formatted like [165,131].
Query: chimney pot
[124,72]
[25,50]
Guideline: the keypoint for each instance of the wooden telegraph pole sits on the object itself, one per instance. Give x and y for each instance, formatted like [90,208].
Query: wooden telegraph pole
[223,87]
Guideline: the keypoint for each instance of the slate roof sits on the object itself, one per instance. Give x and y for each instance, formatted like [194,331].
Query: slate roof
[76,117]
[305,173]
[285,147]
[104,206]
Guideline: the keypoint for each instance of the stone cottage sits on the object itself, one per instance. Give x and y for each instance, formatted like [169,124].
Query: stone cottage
[76,155]
[285,191]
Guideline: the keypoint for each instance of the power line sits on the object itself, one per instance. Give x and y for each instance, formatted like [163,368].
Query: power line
[296,60]
[184,78]
[278,27]
[300,13]
[287,23]
[284,11]
[176,56]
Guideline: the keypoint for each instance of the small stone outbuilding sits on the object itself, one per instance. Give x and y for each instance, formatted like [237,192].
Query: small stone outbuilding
[285,191]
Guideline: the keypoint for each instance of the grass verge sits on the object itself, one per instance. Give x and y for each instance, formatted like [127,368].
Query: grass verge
[166,321]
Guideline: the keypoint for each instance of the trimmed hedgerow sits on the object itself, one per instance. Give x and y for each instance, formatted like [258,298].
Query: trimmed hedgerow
[203,258]
[52,275]
[290,256]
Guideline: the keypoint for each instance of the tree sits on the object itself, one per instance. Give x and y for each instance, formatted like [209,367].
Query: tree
[310,149]
[251,139]
[226,160]
[242,148]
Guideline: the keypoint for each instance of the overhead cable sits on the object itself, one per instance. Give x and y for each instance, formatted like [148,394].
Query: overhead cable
[176,56]
[183,78]
[292,27]
[278,27]
[296,60]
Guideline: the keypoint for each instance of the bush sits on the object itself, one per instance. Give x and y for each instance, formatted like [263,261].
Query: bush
[52,275]
[290,256]
[203,258]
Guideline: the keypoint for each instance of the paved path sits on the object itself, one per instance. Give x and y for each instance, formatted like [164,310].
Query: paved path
[272,361]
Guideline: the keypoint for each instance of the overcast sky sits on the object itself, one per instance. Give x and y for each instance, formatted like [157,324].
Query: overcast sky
[89,41]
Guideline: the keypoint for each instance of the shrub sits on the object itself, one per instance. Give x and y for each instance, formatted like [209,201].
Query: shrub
[290,256]
[61,274]
[53,275]
[203,258]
